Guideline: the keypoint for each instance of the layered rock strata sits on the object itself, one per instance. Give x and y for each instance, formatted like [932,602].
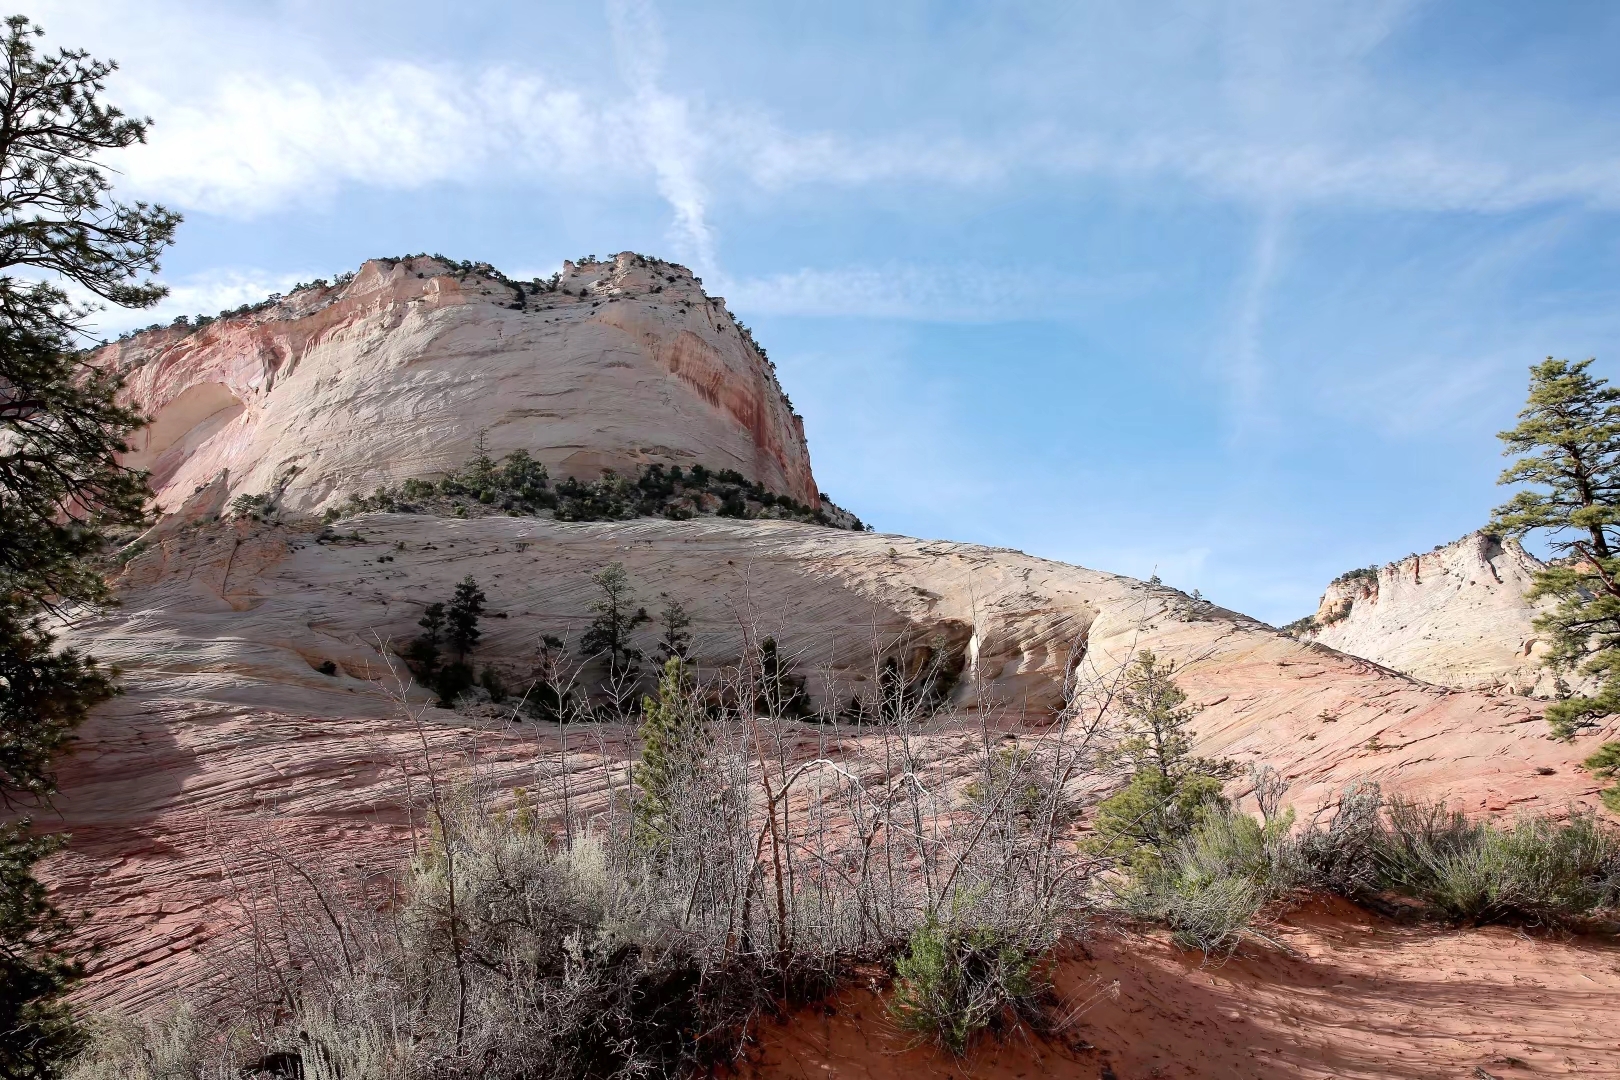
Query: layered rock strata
[394,372]
[232,756]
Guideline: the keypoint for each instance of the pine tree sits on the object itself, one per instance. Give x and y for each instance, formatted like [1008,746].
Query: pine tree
[461,618]
[60,483]
[1170,790]
[425,649]
[672,733]
[1569,434]
[675,641]
[609,635]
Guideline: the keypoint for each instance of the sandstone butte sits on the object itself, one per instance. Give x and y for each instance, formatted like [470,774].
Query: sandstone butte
[231,752]
[1456,616]
[394,373]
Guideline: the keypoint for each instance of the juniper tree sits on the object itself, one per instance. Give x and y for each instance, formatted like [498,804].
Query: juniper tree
[61,427]
[1569,436]
[609,635]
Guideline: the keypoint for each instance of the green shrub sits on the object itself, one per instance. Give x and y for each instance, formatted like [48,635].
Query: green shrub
[954,981]
[518,484]
[1209,886]
[1536,868]
[453,680]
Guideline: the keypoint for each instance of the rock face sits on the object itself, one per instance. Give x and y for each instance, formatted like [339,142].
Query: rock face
[263,728]
[394,372]
[231,753]
[1456,616]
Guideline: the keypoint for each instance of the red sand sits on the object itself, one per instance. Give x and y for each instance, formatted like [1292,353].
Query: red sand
[1349,995]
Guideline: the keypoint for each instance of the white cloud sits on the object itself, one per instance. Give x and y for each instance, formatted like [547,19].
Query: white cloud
[258,143]
[1259,105]
[665,129]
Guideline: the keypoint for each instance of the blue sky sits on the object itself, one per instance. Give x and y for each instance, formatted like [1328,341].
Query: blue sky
[1238,292]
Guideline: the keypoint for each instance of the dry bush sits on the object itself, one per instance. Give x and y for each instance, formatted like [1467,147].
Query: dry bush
[618,921]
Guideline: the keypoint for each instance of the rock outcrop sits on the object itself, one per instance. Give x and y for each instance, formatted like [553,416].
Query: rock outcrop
[231,752]
[394,372]
[1456,616]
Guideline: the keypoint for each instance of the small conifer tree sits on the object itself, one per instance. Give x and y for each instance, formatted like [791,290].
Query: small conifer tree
[425,649]
[461,618]
[672,734]
[608,637]
[1170,790]
[675,639]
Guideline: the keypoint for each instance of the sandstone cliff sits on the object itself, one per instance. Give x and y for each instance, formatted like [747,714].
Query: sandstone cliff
[393,372]
[1456,616]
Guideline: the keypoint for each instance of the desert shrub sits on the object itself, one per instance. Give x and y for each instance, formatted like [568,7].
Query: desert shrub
[175,1045]
[953,982]
[493,684]
[451,681]
[1535,868]
[1342,856]
[1210,885]
[631,918]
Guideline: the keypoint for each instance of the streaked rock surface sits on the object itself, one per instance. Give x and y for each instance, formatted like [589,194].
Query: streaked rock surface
[232,755]
[393,374]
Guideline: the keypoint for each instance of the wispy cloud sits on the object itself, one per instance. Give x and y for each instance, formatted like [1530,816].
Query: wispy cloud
[665,129]
[1246,366]
[1288,114]
[962,293]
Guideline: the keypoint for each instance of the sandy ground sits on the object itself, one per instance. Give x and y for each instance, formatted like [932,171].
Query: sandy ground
[1349,995]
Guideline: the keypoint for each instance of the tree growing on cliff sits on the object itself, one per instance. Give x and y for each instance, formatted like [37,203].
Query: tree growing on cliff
[675,626]
[424,651]
[461,617]
[608,638]
[60,484]
[1569,436]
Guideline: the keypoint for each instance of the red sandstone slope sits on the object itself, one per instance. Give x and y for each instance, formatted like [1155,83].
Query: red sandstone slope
[1347,996]
[231,747]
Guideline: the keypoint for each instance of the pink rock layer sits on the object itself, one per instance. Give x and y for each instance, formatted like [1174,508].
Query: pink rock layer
[396,371]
